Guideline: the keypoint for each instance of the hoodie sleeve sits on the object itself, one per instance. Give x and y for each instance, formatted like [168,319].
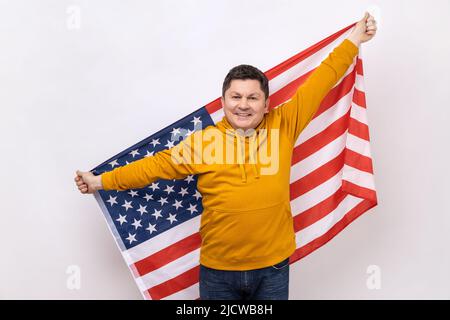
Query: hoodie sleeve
[299,111]
[162,165]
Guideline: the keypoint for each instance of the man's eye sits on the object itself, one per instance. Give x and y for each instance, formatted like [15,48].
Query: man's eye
[235,97]
[252,98]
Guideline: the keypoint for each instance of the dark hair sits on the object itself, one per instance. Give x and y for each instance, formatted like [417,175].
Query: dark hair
[244,72]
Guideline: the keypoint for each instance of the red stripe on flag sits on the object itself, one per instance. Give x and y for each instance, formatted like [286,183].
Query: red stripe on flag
[316,177]
[213,106]
[287,91]
[359,66]
[359,98]
[317,142]
[308,217]
[359,191]
[168,254]
[183,281]
[332,232]
[358,161]
[337,93]
[359,129]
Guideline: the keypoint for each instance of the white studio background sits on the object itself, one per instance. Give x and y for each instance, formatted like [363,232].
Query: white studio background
[75,93]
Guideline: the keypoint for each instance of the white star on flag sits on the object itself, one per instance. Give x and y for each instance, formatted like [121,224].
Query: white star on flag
[131,237]
[148,197]
[135,153]
[192,208]
[183,192]
[189,178]
[114,163]
[197,195]
[112,200]
[177,204]
[127,205]
[196,121]
[151,228]
[142,209]
[136,224]
[121,219]
[162,201]
[172,218]
[157,214]
[169,144]
[169,189]
[154,186]
[133,193]
[155,142]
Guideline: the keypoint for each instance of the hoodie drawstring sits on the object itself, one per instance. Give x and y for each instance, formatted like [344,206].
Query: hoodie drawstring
[240,157]
[252,156]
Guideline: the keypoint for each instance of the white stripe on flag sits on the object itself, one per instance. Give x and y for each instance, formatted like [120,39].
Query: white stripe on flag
[316,195]
[359,113]
[189,293]
[359,82]
[170,270]
[318,159]
[358,145]
[217,115]
[321,226]
[358,177]
[327,118]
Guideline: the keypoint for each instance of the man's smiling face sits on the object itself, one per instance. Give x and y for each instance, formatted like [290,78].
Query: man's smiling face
[245,104]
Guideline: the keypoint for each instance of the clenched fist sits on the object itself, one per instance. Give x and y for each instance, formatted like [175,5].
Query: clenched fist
[87,182]
[364,30]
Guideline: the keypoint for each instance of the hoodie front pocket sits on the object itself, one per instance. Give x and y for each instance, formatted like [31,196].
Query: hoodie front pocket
[250,235]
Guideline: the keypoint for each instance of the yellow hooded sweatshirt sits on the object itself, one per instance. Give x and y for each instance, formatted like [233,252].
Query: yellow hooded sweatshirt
[246,221]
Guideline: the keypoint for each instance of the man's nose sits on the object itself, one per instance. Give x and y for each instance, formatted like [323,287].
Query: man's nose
[243,104]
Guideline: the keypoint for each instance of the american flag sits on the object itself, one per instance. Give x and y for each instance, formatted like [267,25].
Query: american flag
[156,227]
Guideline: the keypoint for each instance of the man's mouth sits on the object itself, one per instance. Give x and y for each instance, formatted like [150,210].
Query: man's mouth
[243,114]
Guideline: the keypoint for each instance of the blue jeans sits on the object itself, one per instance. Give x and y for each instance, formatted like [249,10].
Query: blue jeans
[270,283]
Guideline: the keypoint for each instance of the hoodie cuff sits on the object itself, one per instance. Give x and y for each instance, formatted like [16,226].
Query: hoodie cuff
[350,47]
[107,181]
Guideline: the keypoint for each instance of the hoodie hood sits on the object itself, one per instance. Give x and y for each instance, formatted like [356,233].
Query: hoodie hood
[243,139]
